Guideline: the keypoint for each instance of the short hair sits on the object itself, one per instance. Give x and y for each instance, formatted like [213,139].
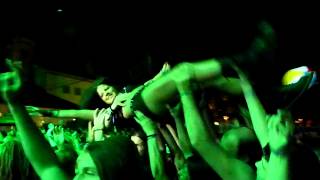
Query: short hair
[116,158]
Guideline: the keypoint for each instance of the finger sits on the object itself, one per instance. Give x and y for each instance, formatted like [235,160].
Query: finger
[122,104]
[32,108]
[11,66]
[95,113]
[124,96]
[102,111]
[168,107]
[277,123]
[7,75]
[272,122]
[102,114]
[54,130]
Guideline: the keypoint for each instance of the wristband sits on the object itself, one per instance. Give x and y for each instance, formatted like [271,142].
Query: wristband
[281,152]
[151,136]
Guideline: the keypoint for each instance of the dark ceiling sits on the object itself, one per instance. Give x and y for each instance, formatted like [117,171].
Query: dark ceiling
[113,40]
[134,40]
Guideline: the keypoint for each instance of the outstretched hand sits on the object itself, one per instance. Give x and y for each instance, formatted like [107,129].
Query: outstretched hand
[245,82]
[101,118]
[120,100]
[280,129]
[148,126]
[10,82]
[58,135]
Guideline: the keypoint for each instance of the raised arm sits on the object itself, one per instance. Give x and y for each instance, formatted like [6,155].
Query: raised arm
[280,131]
[155,156]
[257,112]
[219,160]
[83,114]
[183,137]
[35,146]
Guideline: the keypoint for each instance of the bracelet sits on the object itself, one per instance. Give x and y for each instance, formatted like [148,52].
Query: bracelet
[96,129]
[281,153]
[151,136]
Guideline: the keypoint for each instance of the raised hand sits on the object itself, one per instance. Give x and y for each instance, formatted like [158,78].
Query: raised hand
[58,135]
[280,129]
[10,82]
[101,118]
[266,38]
[120,100]
[148,126]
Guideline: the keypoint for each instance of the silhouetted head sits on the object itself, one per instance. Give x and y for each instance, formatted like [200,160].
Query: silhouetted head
[114,158]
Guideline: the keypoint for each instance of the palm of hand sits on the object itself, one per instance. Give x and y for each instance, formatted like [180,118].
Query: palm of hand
[120,100]
[145,122]
[58,135]
[279,131]
[100,118]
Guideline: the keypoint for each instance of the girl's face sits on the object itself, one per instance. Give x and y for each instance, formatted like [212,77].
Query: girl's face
[107,93]
[85,168]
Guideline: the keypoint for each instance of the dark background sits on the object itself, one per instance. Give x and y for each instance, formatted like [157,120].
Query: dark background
[133,40]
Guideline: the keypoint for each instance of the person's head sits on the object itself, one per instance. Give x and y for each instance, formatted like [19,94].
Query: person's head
[243,144]
[303,162]
[139,140]
[13,162]
[67,158]
[114,158]
[102,92]
[107,93]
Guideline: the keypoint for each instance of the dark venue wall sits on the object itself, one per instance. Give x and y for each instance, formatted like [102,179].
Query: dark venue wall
[133,41]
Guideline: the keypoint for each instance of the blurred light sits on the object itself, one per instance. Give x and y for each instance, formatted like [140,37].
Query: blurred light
[298,121]
[226,118]
[74,119]
[216,123]
[59,10]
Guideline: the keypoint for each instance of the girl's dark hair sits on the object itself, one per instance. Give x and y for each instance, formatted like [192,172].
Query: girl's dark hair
[90,98]
[117,158]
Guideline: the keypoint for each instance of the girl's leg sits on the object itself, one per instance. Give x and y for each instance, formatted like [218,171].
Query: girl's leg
[207,73]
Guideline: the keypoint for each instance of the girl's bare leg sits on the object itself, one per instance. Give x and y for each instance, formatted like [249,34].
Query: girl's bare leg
[207,73]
